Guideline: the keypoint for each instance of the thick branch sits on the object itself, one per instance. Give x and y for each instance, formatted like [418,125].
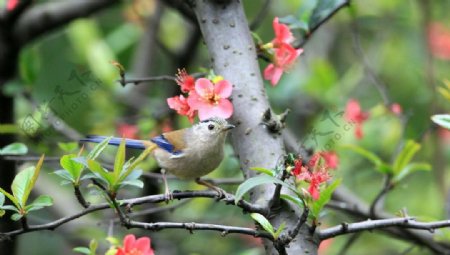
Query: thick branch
[48,16]
[225,230]
[233,56]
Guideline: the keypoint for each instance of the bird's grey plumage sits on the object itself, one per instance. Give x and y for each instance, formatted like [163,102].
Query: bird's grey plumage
[202,153]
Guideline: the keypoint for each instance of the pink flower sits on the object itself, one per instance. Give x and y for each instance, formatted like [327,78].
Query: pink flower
[181,105]
[211,99]
[285,56]
[11,4]
[127,131]
[439,40]
[298,168]
[185,81]
[353,113]
[396,109]
[283,34]
[131,246]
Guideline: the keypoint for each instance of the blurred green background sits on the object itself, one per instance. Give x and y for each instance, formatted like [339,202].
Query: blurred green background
[387,43]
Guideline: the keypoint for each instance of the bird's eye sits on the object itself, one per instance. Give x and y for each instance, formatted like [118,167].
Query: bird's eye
[210,126]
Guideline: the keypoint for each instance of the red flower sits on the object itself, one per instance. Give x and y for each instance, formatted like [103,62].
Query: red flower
[353,113]
[181,105]
[11,4]
[298,167]
[127,131]
[185,81]
[211,100]
[131,246]
[331,159]
[285,56]
[283,34]
[316,178]
[439,40]
[396,109]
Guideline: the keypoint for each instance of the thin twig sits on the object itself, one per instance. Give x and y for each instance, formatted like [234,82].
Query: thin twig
[378,224]
[256,22]
[136,81]
[386,188]
[320,23]
[80,197]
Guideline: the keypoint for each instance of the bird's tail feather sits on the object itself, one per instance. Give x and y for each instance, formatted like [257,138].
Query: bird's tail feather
[129,143]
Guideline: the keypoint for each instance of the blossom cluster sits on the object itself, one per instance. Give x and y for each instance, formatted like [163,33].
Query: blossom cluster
[207,97]
[316,171]
[283,55]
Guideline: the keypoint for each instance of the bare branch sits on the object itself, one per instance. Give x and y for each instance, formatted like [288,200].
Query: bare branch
[246,206]
[45,17]
[377,224]
[225,230]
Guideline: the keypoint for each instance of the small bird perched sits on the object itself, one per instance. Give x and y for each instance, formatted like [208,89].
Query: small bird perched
[187,153]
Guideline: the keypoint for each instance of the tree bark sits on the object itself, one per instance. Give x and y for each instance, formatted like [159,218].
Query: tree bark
[227,36]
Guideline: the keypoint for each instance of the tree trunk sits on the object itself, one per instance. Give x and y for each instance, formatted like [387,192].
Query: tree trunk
[233,55]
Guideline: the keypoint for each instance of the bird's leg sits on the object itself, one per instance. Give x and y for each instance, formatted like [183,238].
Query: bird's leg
[167,193]
[220,192]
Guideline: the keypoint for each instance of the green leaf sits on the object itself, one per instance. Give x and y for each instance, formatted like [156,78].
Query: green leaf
[68,147]
[29,64]
[83,250]
[405,156]
[135,183]
[99,148]
[93,245]
[65,175]
[325,196]
[259,180]
[410,168]
[33,180]
[265,224]
[263,170]
[39,203]
[10,208]
[292,199]
[14,149]
[120,159]
[73,167]
[20,184]
[294,23]
[16,216]
[379,164]
[10,197]
[135,163]
[279,230]
[442,120]
[2,199]
[2,212]
[97,169]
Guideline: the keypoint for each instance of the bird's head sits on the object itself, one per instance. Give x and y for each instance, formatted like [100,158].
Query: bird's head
[212,129]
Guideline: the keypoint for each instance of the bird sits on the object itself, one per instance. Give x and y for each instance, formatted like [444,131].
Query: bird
[188,153]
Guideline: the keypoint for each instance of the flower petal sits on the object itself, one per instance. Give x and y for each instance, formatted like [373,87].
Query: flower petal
[223,88]
[128,242]
[224,109]
[142,244]
[204,87]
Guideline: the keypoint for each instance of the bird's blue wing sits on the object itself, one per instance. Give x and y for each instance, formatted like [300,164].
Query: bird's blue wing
[162,142]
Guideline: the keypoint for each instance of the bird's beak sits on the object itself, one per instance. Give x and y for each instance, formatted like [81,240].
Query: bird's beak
[228,127]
